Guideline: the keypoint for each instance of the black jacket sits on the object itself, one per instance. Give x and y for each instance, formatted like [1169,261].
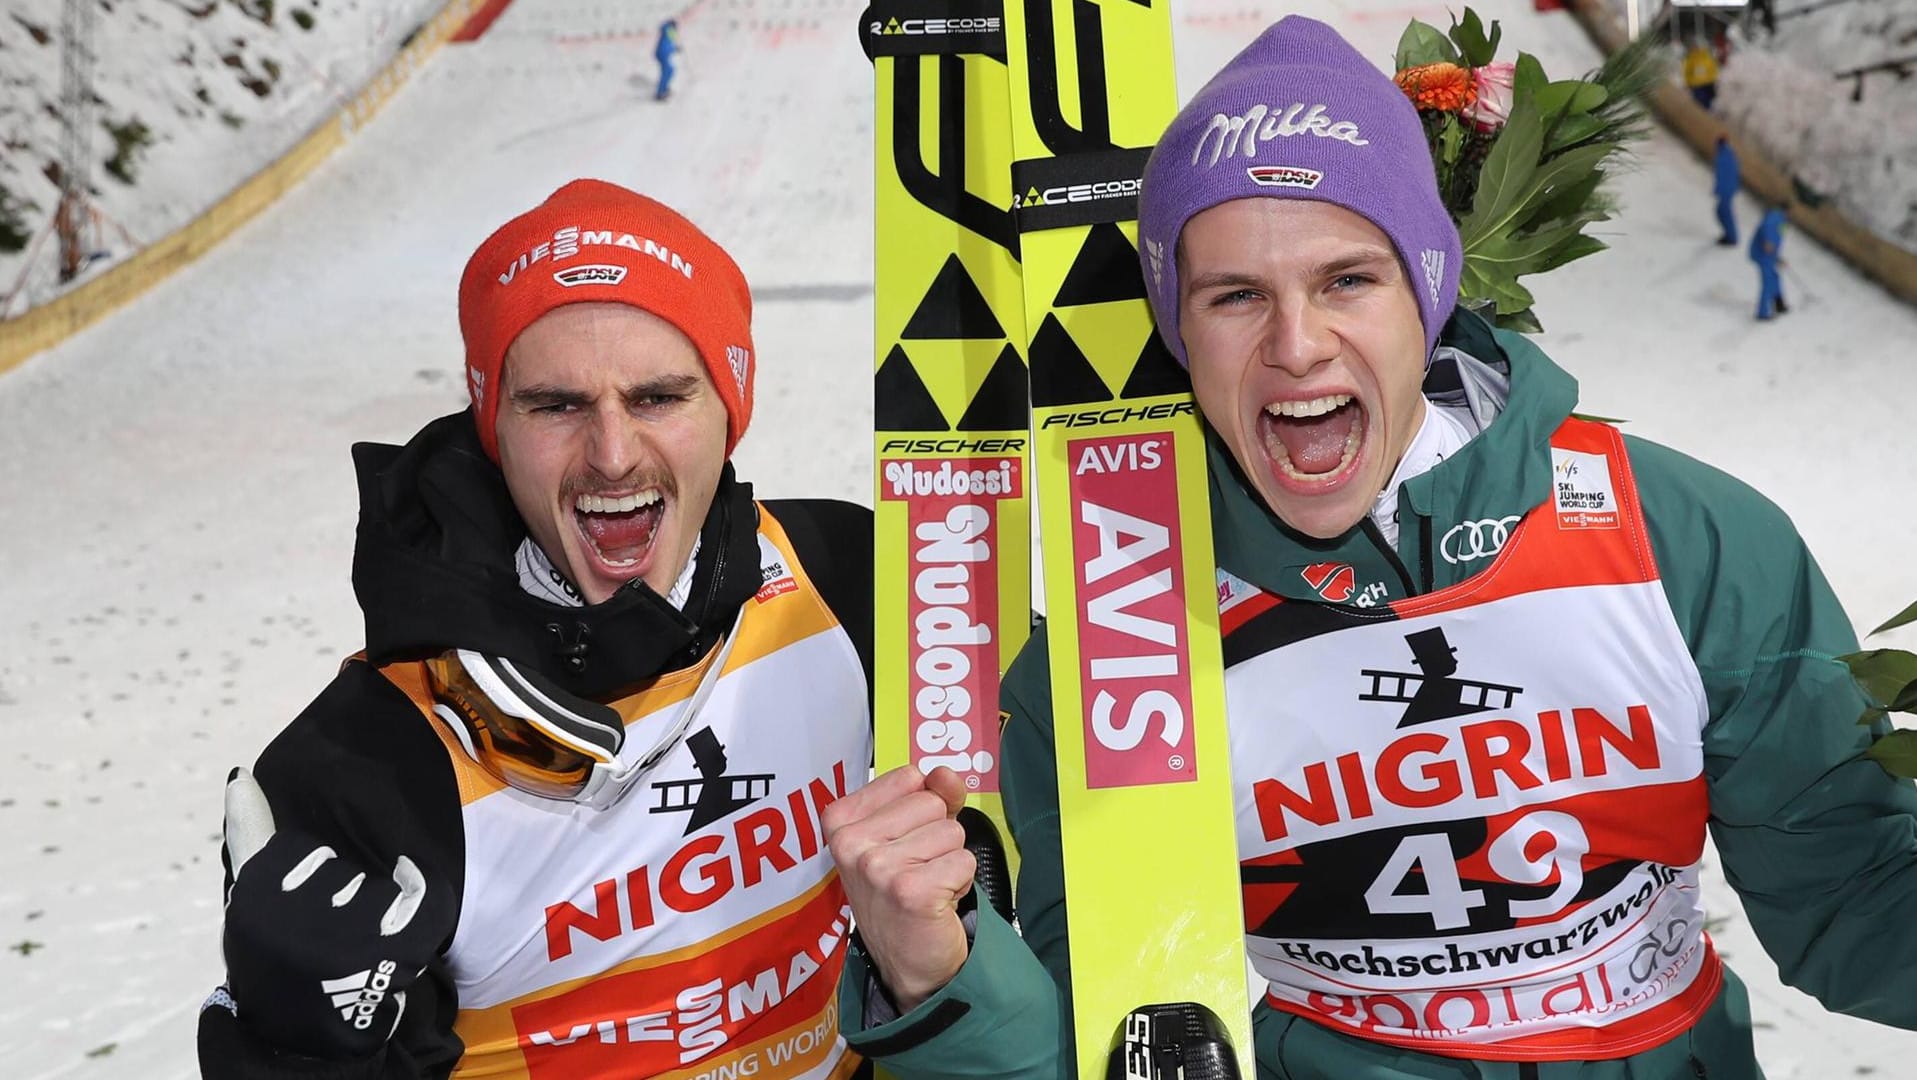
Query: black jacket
[433,568]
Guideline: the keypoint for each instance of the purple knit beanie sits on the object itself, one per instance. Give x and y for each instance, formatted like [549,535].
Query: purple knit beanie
[1300,114]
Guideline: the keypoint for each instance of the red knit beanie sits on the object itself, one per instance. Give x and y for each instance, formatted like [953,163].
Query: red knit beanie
[595,242]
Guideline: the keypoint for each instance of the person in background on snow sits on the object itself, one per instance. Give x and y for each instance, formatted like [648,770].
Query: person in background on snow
[1726,181]
[666,51]
[575,773]
[1767,244]
[1700,74]
[1498,879]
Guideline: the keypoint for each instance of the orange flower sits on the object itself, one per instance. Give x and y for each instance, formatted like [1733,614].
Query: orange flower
[1442,87]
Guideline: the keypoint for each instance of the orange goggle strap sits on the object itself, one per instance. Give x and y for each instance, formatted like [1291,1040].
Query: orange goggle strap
[536,737]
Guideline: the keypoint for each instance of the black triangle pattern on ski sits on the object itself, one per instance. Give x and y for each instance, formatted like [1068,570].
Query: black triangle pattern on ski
[1002,401]
[1105,269]
[1061,375]
[900,400]
[953,307]
[1157,372]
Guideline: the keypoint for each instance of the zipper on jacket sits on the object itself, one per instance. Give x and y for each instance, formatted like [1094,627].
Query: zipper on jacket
[1377,537]
[1424,551]
[1697,1068]
[1528,1070]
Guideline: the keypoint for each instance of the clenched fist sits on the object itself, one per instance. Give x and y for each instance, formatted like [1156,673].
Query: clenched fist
[901,854]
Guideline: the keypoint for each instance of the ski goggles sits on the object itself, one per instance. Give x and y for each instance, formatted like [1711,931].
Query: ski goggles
[534,736]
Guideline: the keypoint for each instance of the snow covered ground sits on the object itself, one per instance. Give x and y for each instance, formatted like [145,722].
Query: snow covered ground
[223,87]
[1782,91]
[180,505]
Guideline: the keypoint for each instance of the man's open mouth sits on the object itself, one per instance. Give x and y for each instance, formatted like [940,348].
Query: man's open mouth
[619,529]
[1314,441]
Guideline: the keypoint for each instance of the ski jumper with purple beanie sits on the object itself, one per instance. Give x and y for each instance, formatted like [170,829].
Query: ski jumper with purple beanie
[1300,114]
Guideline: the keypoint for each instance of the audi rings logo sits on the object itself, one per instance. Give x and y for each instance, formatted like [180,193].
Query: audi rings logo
[1471,540]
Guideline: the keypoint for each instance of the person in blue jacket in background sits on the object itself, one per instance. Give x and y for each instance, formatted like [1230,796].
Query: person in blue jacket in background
[1728,177]
[664,52]
[1766,243]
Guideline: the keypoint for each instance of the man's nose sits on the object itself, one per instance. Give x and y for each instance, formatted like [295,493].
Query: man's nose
[1299,338]
[613,443]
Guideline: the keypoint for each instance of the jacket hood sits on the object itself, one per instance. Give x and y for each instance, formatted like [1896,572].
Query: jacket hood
[1515,397]
[433,570]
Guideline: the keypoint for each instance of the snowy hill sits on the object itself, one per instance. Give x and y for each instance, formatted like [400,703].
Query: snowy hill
[1782,90]
[180,505]
[202,94]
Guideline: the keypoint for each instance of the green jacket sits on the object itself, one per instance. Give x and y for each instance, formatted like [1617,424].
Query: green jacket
[1819,842]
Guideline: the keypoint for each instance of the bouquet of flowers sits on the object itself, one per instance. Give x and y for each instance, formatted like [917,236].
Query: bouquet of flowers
[1521,159]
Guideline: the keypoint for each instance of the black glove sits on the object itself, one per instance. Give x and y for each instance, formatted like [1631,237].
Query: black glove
[319,953]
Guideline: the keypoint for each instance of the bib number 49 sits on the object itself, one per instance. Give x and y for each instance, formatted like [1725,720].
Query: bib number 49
[1535,847]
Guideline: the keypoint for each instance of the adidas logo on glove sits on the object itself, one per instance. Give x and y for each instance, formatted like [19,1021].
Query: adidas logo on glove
[357,997]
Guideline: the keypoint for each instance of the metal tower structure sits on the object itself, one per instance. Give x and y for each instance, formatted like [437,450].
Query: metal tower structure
[77,21]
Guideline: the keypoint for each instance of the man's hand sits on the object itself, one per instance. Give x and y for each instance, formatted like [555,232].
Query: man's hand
[319,953]
[901,853]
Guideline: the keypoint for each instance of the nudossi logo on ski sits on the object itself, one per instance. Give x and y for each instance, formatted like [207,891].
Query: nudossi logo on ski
[951,505]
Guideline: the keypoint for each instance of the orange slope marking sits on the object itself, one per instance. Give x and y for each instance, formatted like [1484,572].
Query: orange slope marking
[481,21]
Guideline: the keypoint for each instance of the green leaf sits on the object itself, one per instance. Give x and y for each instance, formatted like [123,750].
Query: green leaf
[1524,322]
[1896,752]
[1571,130]
[1528,78]
[1450,139]
[1423,44]
[1504,179]
[1577,247]
[1902,618]
[1557,173]
[1569,97]
[1571,200]
[1599,419]
[1906,700]
[1473,45]
[1872,715]
[1515,253]
[1885,675]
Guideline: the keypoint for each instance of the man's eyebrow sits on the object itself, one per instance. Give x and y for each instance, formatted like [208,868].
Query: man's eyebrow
[1218,279]
[663,386]
[1356,260]
[542,394]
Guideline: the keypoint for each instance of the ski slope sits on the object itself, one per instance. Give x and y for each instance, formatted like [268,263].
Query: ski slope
[180,504]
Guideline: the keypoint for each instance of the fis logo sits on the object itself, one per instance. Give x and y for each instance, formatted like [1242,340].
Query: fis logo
[1284,176]
[476,382]
[590,274]
[358,996]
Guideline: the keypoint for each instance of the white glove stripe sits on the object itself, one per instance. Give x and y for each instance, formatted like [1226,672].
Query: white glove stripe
[306,868]
[345,895]
[249,819]
[412,892]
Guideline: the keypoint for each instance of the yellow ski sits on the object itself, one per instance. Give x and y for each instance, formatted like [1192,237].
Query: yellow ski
[1145,801]
[953,533]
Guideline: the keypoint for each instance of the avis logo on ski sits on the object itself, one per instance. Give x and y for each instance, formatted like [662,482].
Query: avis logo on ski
[1470,816]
